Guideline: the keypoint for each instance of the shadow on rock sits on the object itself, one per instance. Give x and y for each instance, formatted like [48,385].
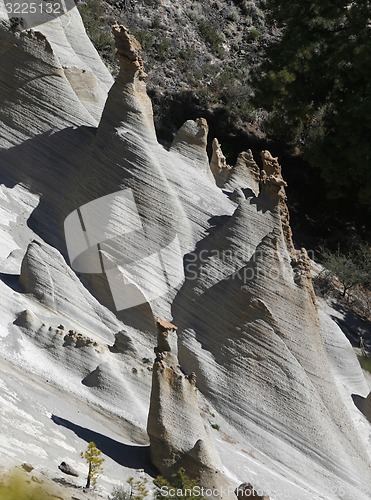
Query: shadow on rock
[363,405]
[132,456]
[353,325]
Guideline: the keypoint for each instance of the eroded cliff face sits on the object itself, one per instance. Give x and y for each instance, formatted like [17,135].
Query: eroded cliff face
[156,233]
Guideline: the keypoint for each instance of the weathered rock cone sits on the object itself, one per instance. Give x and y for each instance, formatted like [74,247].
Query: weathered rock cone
[177,432]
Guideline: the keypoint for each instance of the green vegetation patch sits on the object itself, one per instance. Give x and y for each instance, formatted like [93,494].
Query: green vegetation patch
[365,363]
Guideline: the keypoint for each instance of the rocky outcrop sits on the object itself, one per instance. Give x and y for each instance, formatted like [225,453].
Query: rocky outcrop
[177,432]
[190,143]
[253,291]
[125,212]
[46,276]
[273,193]
[245,174]
[128,104]
[27,467]
[123,343]
[68,469]
[218,164]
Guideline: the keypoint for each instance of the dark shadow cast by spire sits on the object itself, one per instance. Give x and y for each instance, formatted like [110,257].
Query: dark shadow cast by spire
[132,456]
[363,405]
[11,280]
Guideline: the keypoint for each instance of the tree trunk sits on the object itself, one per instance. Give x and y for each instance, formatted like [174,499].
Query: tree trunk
[89,477]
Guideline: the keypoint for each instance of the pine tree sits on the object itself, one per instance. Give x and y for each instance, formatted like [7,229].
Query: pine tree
[316,82]
[93,457]
[138,488]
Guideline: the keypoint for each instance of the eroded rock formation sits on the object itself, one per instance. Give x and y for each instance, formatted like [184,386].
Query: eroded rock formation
[265,357]
[218,164]
[178,434]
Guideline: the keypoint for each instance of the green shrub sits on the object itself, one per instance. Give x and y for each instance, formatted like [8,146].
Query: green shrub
[215,426]
[138,488]
[163,47]
[212,37]
[188,54]
[255,33]
[91,13]
[365,363]
[180,487]
[351,268]
[322,284]
[120,493]
[145,38]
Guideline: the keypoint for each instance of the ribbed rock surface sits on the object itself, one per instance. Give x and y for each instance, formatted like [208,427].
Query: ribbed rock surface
[267,363]
[218,164]
[245,174]
[178,435]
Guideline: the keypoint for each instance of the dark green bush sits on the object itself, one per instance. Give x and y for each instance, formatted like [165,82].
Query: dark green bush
[92,13]
[212,36]
[181,485]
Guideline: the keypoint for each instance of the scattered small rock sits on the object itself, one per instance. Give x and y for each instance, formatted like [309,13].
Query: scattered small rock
[27,467]
[247,491]
[67,469]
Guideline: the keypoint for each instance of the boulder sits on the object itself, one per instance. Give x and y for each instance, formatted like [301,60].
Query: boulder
[246,490]
[27,467]
[67,469]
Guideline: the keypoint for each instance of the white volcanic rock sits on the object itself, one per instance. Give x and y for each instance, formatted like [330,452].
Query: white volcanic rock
[260,360]
[128,106]
[46,276]
[267,363]
[245,174]
[76,55]
[190,143]
[178,435]
[218,164]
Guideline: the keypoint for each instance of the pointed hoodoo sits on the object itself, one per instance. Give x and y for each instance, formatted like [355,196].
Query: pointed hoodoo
[245,174]
[218,164]
[177,432]
[273,193]
[128,53]
[36,277]
[128,105]
[191,141]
